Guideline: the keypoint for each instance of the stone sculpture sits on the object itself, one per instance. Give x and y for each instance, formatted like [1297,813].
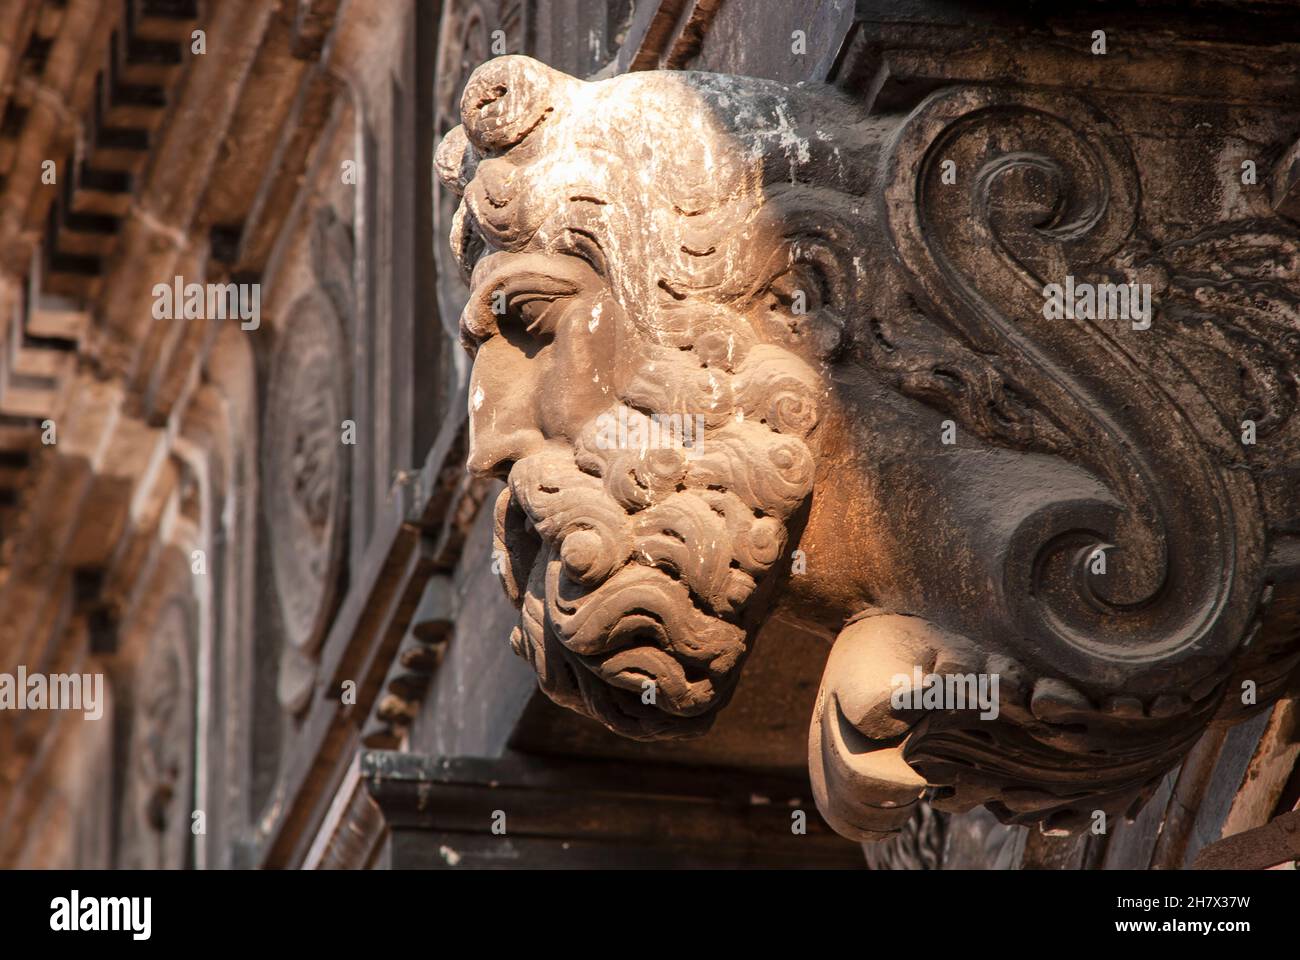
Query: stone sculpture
[901,447]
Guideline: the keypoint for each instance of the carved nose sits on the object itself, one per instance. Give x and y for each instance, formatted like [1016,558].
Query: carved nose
[492,453]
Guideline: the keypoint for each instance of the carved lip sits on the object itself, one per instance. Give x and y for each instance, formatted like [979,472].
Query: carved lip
[522,543]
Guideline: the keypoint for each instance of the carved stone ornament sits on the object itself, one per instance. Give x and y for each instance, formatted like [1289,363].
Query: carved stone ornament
[469,30]
[793,275]
[162,744]
[305,463]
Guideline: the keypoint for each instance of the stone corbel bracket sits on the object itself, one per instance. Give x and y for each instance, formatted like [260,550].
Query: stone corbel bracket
[832,293]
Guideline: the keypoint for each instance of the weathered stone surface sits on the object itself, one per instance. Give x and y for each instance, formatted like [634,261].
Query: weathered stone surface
[901,441]
[836,277]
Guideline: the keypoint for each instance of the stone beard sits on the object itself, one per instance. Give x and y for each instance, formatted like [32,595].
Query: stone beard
[634,569]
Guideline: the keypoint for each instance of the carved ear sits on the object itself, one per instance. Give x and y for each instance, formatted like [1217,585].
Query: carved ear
[506,98]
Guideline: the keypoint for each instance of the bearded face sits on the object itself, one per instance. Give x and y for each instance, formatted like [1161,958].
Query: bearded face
[693,292]
[656,444]
[648,498]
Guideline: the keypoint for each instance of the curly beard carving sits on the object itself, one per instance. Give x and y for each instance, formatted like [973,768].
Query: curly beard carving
[635,568]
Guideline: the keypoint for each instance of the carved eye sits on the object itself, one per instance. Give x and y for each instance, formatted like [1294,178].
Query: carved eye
[521,297]
[537,312]
[527,306]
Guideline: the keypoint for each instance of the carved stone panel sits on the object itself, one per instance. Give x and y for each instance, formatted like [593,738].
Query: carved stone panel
[887,426]
[305,461]
[160,791]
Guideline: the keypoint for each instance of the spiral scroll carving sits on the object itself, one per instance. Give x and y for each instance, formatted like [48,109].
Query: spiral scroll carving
[1054,192]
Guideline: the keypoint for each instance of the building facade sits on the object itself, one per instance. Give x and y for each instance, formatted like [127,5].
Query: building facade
[235,420]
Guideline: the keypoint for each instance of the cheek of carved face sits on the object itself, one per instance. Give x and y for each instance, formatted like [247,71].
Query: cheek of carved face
[542,372]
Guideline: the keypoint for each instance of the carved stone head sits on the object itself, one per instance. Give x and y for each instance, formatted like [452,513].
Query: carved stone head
[639,376]
[739,350]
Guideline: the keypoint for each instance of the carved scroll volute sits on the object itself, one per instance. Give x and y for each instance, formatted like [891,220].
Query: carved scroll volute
[305,465]
[1046,188]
